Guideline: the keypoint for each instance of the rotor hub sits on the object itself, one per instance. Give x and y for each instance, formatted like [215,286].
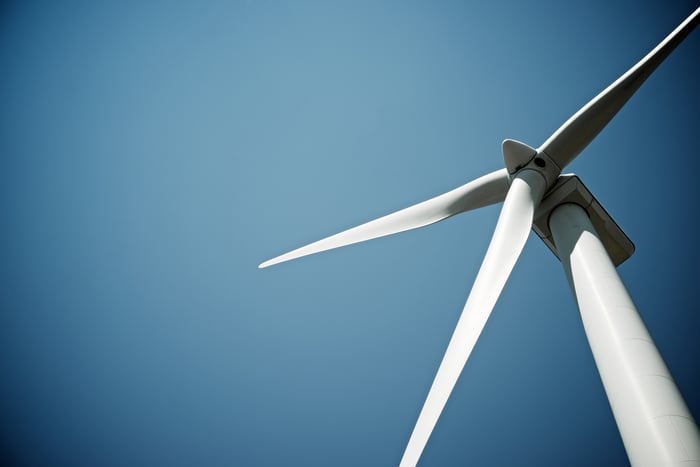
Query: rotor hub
[519,156]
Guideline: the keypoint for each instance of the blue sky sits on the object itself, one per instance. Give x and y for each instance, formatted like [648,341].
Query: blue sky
[154,153]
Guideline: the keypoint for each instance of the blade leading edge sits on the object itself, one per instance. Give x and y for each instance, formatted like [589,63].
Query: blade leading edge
[488,189]
[512,230]
[573,136]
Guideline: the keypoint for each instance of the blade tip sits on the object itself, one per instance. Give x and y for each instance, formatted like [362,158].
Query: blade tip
[273,261]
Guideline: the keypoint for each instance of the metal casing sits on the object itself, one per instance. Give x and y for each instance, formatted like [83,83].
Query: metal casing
[570,189]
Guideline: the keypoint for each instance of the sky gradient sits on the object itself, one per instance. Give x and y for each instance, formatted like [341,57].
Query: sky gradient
[154,153]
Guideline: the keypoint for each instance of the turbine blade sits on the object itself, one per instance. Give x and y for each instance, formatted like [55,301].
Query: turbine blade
[508,240]
[574,135]
[483,191]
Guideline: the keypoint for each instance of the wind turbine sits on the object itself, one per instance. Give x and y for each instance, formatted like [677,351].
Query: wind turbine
[654,422]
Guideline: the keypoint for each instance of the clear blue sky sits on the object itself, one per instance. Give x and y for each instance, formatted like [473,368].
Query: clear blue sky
[154,153]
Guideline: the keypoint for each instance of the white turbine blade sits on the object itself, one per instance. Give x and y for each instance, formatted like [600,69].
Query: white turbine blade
[574,135]
[508,240]
[483,191]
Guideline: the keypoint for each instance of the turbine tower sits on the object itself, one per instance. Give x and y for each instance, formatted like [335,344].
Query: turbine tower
[656,426]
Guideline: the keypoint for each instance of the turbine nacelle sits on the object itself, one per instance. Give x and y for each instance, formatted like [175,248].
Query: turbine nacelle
[569,189]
